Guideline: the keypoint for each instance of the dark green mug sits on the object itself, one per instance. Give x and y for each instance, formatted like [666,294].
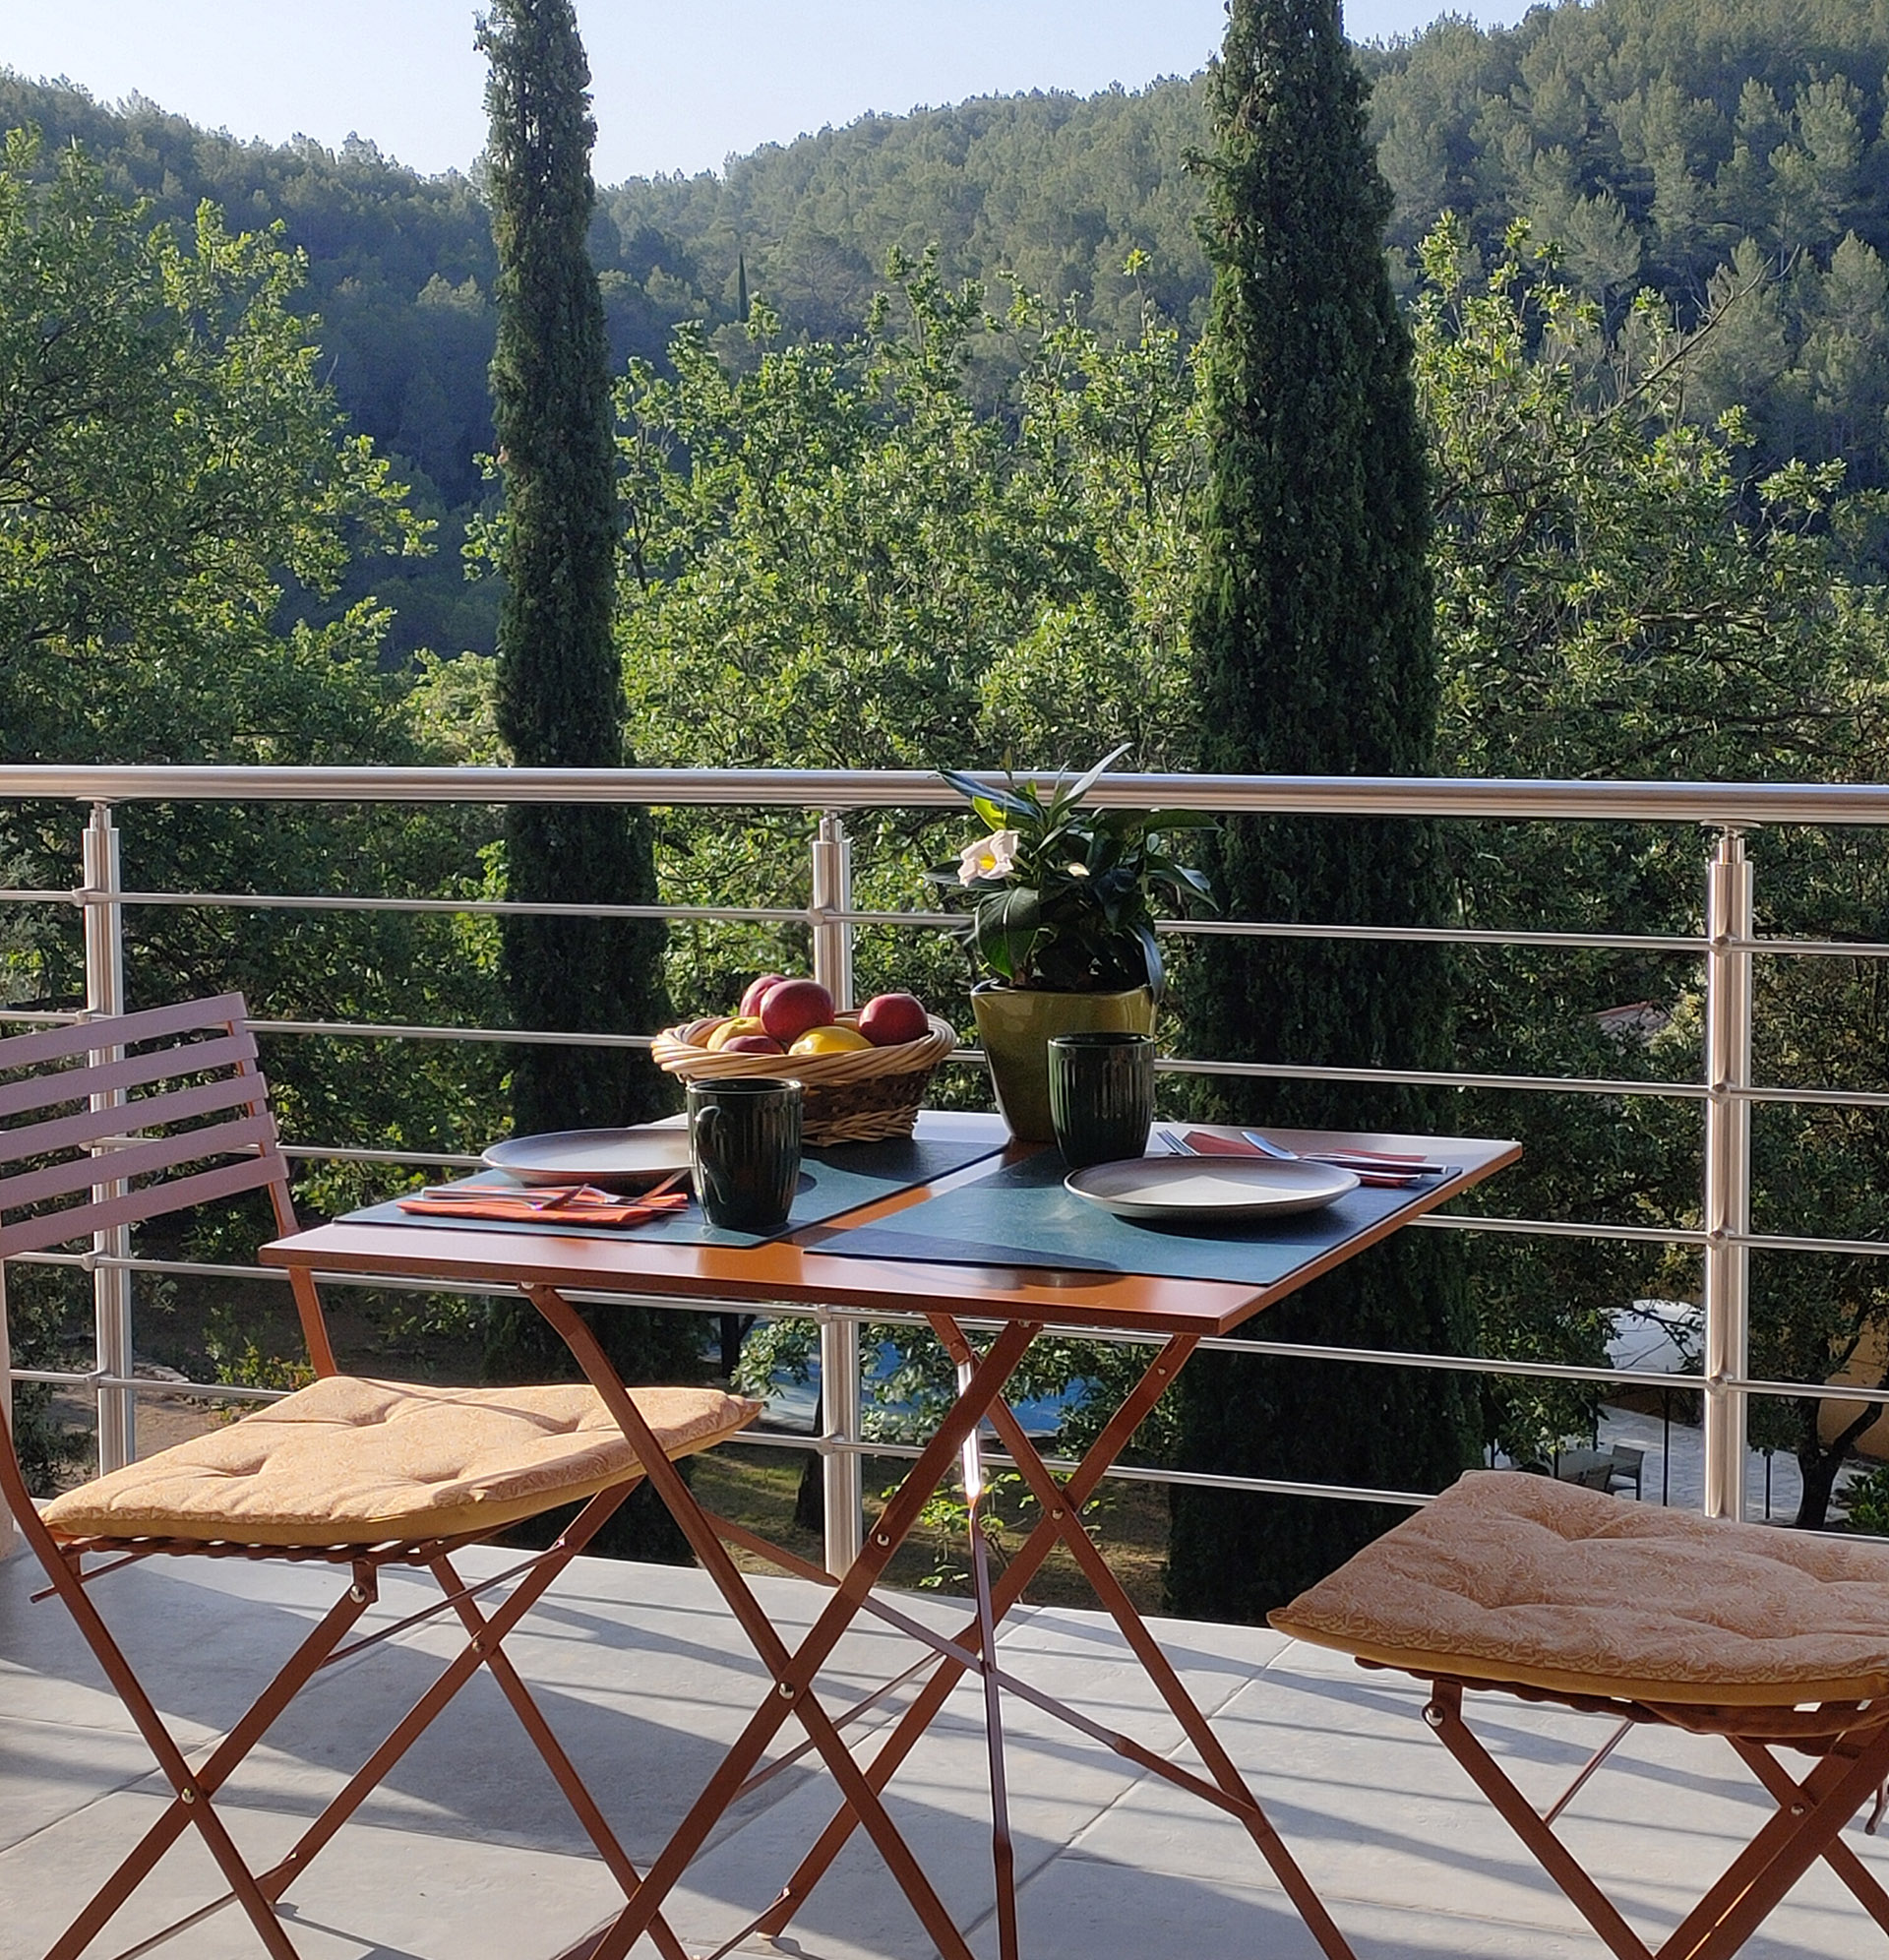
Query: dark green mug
[744,1151]
[1101,1095]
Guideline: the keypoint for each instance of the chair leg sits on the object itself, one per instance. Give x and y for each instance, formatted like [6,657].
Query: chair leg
[545,1741]
[1444,1714]
[191,1806]
[1843,1861]
[1810,1814]
[1803,1831]
[484,1645]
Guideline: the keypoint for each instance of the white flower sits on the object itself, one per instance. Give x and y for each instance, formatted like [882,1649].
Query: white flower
[994,856]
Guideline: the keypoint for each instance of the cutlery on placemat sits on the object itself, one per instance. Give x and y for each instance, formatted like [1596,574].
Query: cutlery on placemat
[1390,1164]
[1371,1167]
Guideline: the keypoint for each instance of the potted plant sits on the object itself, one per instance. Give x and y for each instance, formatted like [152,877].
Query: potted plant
[1063,911]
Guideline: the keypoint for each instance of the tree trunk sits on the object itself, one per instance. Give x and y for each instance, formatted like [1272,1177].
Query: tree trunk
[1818,1463]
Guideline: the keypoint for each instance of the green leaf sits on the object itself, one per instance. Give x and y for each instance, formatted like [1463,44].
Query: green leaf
[984,798]
[1152,953]
[1086,782]
[1005,928]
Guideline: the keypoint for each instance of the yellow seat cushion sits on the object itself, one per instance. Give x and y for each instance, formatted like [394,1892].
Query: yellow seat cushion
[1524,1580]
[349,1461]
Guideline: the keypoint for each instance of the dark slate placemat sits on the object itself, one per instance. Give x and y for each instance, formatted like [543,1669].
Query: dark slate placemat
[831,1182]
[1020,1215]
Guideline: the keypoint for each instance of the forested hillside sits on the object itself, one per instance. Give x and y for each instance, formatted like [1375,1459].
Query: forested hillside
[1699,147]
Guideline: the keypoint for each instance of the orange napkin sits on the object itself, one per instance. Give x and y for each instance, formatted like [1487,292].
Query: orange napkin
[544,1204]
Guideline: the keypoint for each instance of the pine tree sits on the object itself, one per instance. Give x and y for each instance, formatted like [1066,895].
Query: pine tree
[1312,636]
[560,681]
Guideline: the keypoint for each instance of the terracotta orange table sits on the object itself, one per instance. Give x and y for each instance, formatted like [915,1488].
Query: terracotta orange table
[1021,1301]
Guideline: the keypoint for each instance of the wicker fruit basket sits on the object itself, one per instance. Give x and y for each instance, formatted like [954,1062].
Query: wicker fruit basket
[864,1095]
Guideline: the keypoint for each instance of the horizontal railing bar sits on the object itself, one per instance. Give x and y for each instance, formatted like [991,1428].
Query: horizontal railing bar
[788,915]
[1561,1227]
[1765,1242]
[410,1031]
[800,915]
[1823,1098]
[144,1385]
[1437,1079]
[995,1458]
[1474,797]
[1821,1392]
[1592,1085]
[1690,944]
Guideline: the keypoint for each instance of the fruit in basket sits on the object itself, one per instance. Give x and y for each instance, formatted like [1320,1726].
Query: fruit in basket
[831,1040]
[732,1029]
[697,1032]
[757,992]
[888,1019]
[751,1044]
[791,1008]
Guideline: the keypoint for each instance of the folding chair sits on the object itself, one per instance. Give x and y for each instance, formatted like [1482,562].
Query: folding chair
[1772,1639]
[121,1120]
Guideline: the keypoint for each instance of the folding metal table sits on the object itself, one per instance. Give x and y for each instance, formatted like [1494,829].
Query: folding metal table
[1019,1303]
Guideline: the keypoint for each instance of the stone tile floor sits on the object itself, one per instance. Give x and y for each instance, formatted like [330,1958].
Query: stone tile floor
[468,1854]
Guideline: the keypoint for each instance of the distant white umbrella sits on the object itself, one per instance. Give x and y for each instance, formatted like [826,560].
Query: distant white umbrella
[1664,1335]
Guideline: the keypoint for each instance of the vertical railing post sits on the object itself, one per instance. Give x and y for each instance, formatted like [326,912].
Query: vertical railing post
[841,1471]
[832,894]
[1727,1170]
[110,1284]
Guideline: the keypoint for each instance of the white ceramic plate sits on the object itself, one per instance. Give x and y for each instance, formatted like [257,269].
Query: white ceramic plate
[612,1159]
[1209,1188]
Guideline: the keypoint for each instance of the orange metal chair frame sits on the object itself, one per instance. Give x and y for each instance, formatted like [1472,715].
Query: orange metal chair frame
[1851,1740]
[119,1159]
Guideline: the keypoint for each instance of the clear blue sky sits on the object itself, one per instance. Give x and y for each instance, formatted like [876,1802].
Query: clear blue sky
[679,84]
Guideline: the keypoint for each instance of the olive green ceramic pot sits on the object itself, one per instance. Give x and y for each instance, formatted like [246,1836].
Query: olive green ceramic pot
[1013,1028]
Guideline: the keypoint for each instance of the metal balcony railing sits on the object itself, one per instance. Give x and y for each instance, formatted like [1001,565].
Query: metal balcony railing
[1725,1090]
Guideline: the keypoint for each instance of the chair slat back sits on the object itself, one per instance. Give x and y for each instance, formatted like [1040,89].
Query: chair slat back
[110,1121]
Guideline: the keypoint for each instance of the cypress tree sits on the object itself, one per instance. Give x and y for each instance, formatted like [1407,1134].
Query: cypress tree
[1311,643]
[560,680]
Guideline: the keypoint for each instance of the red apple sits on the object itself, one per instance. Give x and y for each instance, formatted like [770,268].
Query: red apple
[757,992]
[792,1007]
[887,1020]
[753,1044]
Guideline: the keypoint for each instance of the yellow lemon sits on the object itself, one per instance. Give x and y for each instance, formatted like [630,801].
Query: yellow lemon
[828,1041]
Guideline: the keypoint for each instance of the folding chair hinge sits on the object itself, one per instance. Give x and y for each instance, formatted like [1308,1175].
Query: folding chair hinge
[366,1588]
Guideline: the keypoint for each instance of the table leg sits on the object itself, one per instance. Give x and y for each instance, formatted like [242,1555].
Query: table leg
[1008,1589]
[794,1673]
[1061,1506]
[1160,1669]
[1002,1853]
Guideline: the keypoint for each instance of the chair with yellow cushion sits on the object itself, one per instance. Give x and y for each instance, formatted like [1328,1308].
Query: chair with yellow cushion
[1772,1639]
[122,1120]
